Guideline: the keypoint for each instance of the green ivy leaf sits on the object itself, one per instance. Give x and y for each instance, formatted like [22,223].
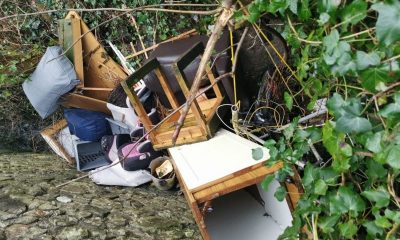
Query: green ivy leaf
[320,187]
[328,5]
[327,223]
[348,229]
[392,108]
[324,18]
[293,6]
[372,229]
[337,147]
[344,64]
[393,215]
[267,181]
[269,143]
[382,222]
[354,12]
[280,193]
[257,153]
[364,60]
[331,41]
[373,77]
[388,23]
[288,100]
[309,175]
[289,131]
[374,143]
[329,175]
[335,105]
[393,157]
[348,124]
[304,13]
[346,200]
[375,170]
[380,196]
[276,5]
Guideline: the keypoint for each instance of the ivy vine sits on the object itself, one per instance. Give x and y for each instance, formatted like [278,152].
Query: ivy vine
[346,51]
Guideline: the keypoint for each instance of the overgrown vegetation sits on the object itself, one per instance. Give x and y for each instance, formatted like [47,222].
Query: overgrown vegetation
[346,51]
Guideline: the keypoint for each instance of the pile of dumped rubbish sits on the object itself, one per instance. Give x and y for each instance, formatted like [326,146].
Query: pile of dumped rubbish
[119,122]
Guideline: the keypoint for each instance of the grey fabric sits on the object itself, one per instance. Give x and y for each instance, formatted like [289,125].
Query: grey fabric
[50,81]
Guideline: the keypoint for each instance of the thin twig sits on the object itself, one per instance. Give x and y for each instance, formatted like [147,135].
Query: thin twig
[140,36]
[155,7]
[223,19]
[297,35]
[147,133]
[238,48]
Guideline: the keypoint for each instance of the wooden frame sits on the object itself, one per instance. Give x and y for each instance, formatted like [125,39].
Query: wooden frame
[50,136]
[99,74]
[236,181]
[201,122]
[70,32]
[204,178]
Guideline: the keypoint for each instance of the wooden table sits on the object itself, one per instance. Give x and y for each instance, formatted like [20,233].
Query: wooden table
[211,169]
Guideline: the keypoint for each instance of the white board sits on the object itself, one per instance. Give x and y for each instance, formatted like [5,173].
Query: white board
[224,154]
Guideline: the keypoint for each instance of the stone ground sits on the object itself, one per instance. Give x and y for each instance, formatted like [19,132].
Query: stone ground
[31,207]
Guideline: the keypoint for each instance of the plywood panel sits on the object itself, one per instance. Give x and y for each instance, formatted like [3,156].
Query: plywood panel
[205,162]
[99,69]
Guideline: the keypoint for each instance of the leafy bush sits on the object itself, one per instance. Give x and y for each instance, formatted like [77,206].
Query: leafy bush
[346,51]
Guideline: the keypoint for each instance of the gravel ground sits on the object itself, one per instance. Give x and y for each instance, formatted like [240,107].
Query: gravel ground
[31,207]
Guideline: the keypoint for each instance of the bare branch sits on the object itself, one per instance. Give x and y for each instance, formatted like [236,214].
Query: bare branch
[154,8]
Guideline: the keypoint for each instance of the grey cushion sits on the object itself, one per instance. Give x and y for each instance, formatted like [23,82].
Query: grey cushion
[50,81]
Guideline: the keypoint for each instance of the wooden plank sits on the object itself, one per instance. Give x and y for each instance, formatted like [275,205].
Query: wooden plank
[69,32]
[142,72]
[198,217]
[234,182]
[141,112]
[180,36]
[190,55]
[179,141]
[96,94]
[99,69]
[195,106]
[50,136]
[84,102]
[167,89]
[211,77]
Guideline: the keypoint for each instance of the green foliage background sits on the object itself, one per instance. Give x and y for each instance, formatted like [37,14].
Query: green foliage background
[346,51]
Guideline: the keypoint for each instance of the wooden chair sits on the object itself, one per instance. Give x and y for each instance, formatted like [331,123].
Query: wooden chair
[201,122]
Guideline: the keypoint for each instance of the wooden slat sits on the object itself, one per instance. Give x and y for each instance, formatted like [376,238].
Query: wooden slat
[142,72]
[194,207]
[167,89]
[99,69]
[141,112]
[70,32]
[211,77]
[190,55]
[195,106]
[84,102]
[233,182]
[50,135]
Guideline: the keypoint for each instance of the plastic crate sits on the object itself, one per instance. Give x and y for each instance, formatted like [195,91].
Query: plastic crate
[89,155]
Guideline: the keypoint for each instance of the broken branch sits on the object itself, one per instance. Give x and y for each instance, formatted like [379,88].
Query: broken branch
[218,27]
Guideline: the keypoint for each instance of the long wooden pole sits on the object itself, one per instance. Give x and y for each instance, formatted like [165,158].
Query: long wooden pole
[218,27]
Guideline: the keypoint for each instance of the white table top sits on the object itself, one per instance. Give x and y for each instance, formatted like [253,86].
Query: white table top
[224,154]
